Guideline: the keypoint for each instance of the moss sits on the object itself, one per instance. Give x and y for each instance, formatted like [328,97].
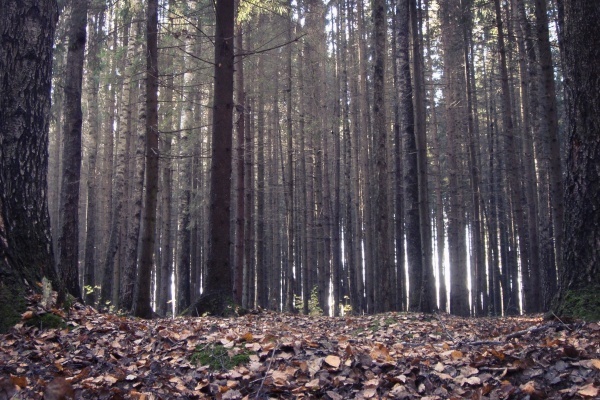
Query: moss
[12,305]
[46,321]
[582,304]
[217,357]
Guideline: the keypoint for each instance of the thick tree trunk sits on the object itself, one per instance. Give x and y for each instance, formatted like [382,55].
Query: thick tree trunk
[580,275]
[218,292]
[26,256]
[452,40]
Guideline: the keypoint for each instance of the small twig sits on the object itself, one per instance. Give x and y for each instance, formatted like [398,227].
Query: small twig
[484,342]
[504,370]
[262,383]
[532,329]
[561,321]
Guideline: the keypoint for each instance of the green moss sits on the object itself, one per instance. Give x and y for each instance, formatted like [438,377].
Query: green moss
[12,305]
[582,304]
[46,321]
[217,357]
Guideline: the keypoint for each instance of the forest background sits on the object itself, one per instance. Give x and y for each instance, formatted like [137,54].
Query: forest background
[405,156]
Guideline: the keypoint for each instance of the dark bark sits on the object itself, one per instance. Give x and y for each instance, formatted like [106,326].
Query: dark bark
[580,275]
[68,241]
[26,256]
[411,176]
[384,267]
[550,115]
[427,288]
[238,276]
[218,291]
[142,307]
[452,40]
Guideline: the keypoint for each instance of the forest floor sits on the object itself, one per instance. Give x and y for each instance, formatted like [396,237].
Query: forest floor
[281,356]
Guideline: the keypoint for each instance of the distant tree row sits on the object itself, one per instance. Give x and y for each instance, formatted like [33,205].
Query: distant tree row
[381,156]
[399,156]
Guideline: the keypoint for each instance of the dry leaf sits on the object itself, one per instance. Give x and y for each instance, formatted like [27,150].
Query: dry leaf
[333,361]
[59,389]
[588,390]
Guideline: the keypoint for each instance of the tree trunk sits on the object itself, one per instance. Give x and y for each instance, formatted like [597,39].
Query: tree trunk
[411,175]
[238,276]
[184,278]
[96,27]
[68,242]
[550,115]
[26,254]
[142,307]
[427,288]
[112,268]
[218,291]
[384,268]
[452,40]
[580,275]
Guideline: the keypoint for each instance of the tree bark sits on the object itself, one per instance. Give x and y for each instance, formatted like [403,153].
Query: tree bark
[550,115]
[142,307]
[26,256]
[218,292]
[580,275]
[411,175]
[452,40]
[68,242]
[96,27]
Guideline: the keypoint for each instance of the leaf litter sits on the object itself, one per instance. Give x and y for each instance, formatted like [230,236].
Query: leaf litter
[287,356]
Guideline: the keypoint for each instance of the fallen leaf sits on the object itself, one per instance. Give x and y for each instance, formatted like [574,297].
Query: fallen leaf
[588,390]
[59,389]
[333,361]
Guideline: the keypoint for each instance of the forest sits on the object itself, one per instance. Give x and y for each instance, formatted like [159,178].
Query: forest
[345,157]
[299,199]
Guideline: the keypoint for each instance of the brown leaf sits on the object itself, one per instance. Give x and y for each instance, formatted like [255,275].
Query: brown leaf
[59,389]
[588,390]
[20,381]
[7,388]
[528,387]
[27,315]
[333,361]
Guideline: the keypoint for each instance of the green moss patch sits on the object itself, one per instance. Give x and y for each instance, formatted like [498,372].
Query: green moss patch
[583,304]
[46,321]
[217,357]
[12,305]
